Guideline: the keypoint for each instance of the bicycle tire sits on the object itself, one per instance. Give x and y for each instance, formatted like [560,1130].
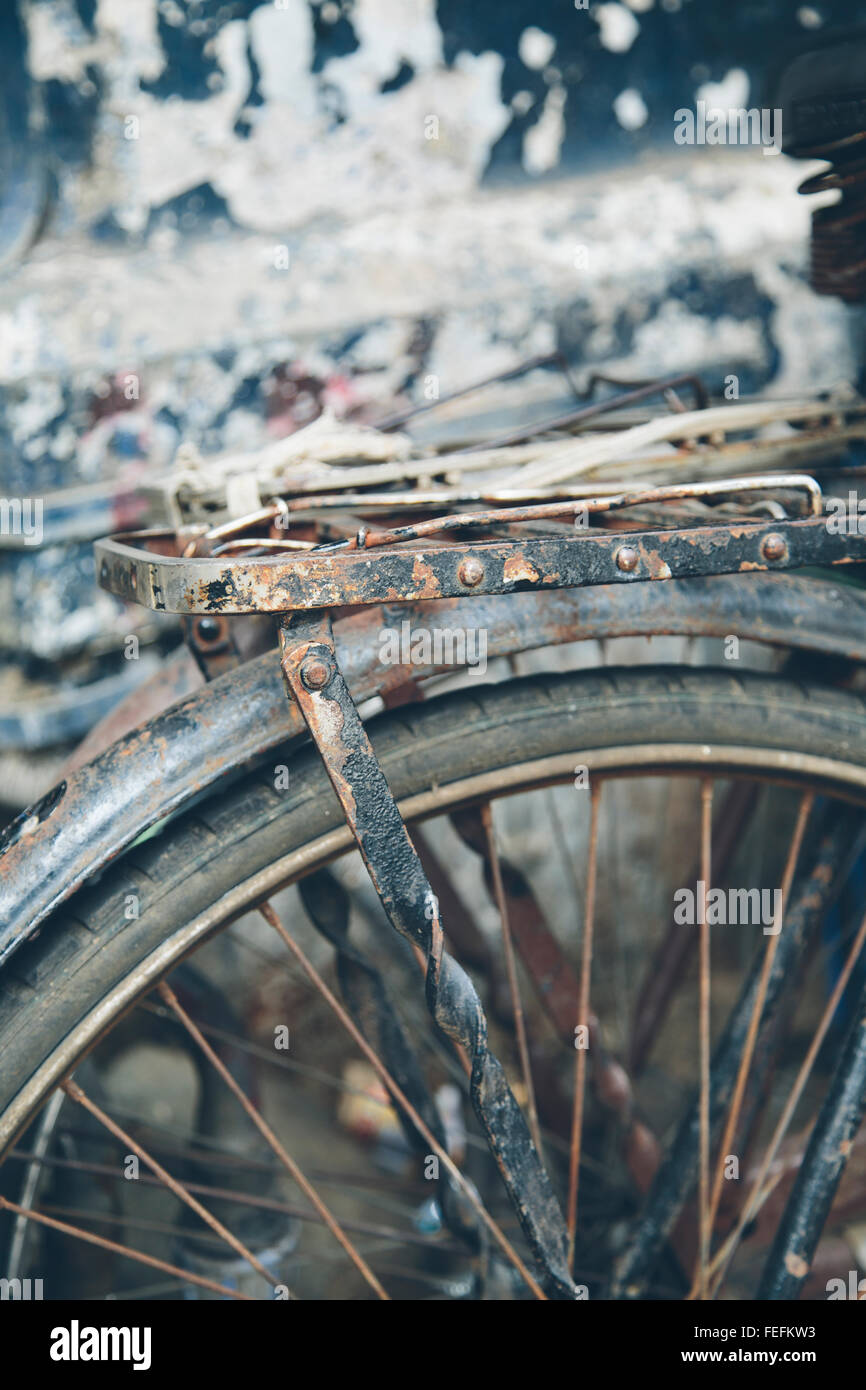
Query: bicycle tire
[88,962]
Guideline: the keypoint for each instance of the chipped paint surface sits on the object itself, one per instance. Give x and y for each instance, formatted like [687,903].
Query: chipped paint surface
[429,304]
[198,150]
[796,1265]
[618,26]
[283,210]
[519,570]
[285,160]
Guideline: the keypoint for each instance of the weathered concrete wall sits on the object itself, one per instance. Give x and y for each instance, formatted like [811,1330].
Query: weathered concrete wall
[220,218]
[242,185]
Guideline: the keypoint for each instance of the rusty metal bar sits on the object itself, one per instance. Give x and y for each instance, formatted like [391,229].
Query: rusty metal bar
[394,421]
[511,971]
[322,579]
[316,683]
[368,539]
[823,1164]
[606,407]
[402,1099]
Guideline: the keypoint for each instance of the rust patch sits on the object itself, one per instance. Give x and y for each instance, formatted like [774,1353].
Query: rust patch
[424,576]
[327,716]
[517,569]
[655,566]
[796,1265]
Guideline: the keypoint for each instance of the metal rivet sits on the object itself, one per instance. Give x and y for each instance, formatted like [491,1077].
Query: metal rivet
[208,629]
[774,546]
[626,558]
[315,673]
[470,571]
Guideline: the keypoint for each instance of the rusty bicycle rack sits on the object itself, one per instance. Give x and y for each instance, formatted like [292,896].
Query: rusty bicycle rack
[206,573]
[250,565]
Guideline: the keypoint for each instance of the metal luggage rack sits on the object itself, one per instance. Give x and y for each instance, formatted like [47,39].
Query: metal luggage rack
[332,551]
[301,559]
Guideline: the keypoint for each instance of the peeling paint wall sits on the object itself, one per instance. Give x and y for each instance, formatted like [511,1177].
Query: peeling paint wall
[243,185]
[229,215]
[292,109]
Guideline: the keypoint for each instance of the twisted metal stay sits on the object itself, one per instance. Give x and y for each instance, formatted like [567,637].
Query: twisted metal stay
[314,680]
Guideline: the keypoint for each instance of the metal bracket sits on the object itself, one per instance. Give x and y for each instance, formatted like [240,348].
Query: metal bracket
[317,684]
[212,643]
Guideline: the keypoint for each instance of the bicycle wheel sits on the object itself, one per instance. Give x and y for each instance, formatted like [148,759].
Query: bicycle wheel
[77,983]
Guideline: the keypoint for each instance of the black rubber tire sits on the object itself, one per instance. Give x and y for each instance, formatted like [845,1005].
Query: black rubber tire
[82,954]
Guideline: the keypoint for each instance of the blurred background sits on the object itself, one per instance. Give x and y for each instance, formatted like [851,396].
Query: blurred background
[221,218]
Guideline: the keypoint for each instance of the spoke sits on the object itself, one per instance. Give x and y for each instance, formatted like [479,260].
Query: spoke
[169,997]
[247,1199]
[820,1172]
[669,961]
[147,1291]
[806,804]
[186,1275]
[809,901]
[704,1007]
[142,1223]
[42,1140]
[511,971]
[722,1260]
[557,989]
[580,1055]
[261,1053]
[566,858]
[369,1184]
[402,1099]
[74,1092]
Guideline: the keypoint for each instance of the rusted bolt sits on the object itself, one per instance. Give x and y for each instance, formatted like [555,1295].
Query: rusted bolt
[470,571]
[207,629]
[774,546]
[315,673]
[626,558]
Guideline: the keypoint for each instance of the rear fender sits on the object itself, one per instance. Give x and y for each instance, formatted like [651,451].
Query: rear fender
[211,731]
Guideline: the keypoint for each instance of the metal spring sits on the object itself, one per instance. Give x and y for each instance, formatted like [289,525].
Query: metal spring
[838,257]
